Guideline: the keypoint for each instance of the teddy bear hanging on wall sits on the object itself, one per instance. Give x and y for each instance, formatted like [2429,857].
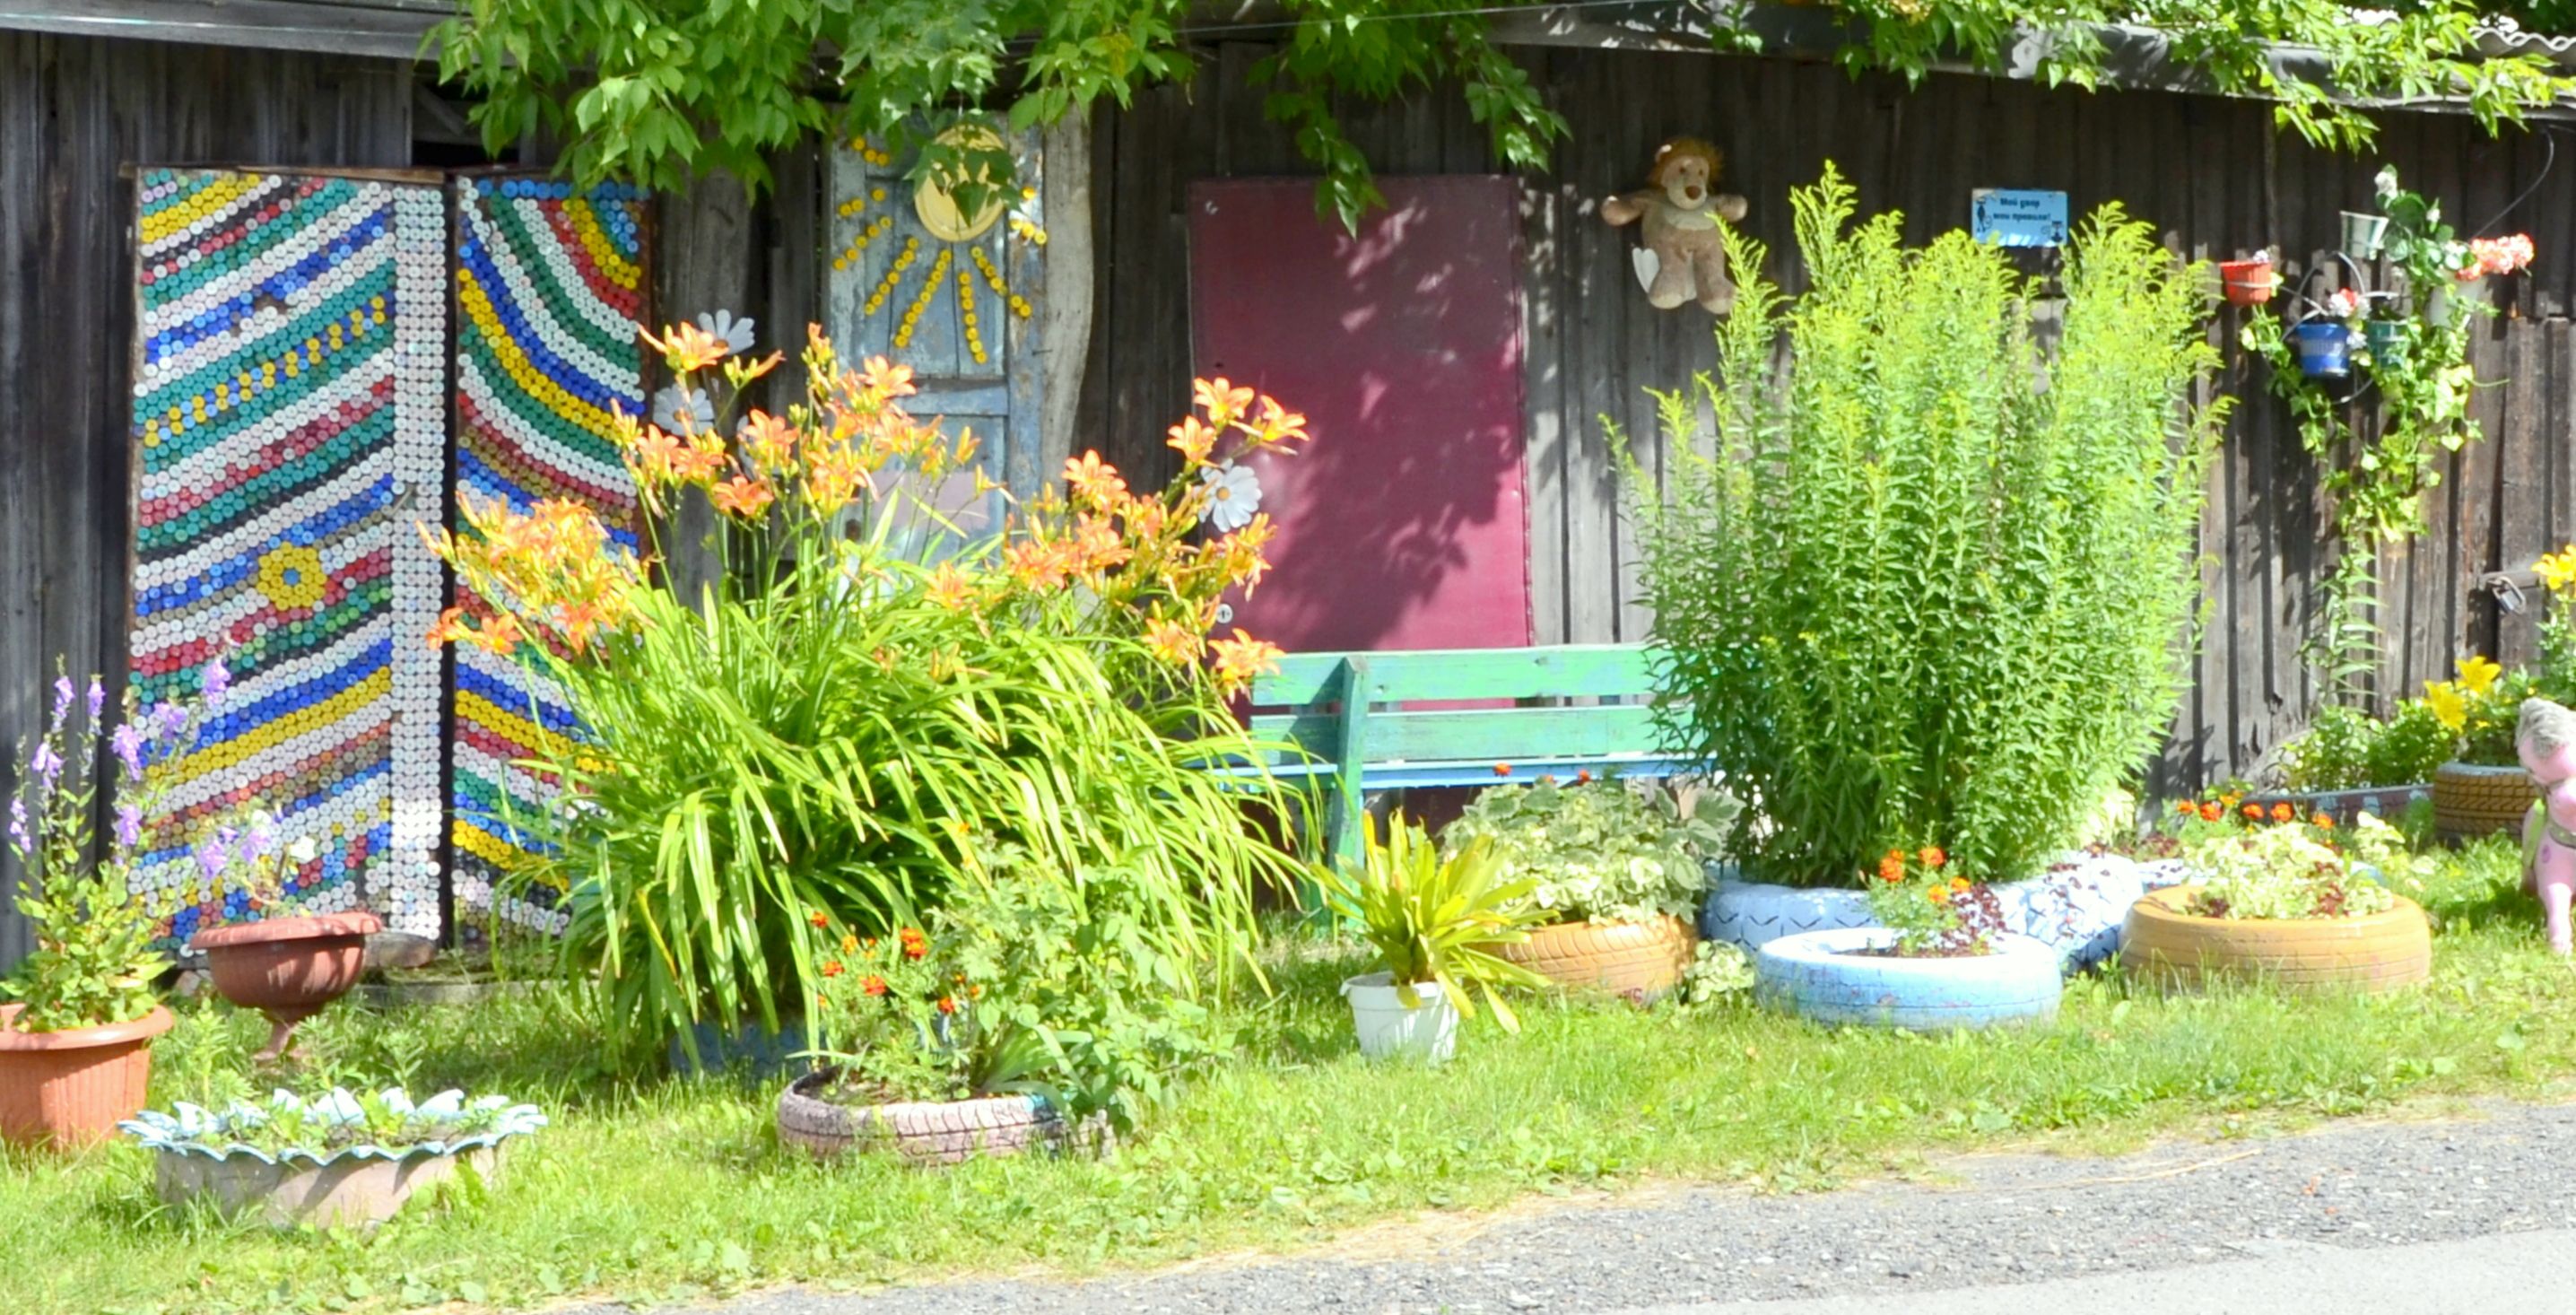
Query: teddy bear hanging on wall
[1684,256]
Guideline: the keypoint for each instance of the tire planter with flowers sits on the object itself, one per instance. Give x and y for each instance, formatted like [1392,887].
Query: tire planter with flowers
[2373,952]
[287,968]
[1844,975]
[70,1088]
[227,1159]
[2078,906]
[1641,960]
[926,1133]
[2470,801]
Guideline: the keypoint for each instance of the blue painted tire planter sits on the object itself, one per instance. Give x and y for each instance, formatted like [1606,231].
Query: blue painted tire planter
[1815,975]
[2077,907]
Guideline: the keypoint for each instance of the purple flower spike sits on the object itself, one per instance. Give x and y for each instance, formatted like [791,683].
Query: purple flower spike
[97,698]
[46,764]
[211,860]
[129,826]
[18,826]
[128,743]
[217,680]
[167,720]
[62,699]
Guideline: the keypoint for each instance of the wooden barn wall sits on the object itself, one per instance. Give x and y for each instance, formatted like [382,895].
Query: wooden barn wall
[2210,174]
[72,111]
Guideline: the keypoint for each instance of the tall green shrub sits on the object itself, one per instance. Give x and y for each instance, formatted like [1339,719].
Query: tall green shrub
[1929,583]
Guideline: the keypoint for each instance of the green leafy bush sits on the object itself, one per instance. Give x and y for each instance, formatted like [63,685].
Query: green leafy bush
[2295,868]
[1434,919]
[1930,584]
[2346,748]
[1027,980]
[1603,851]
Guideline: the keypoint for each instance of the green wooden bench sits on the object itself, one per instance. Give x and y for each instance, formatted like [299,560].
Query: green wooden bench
[1345,716]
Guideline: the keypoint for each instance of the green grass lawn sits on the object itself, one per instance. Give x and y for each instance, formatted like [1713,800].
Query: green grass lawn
[649,1188]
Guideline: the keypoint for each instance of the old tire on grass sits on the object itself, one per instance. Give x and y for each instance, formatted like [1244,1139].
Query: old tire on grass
[2471,801]
[1642,960]
[1818,975]
[921,1132]
[2376,952]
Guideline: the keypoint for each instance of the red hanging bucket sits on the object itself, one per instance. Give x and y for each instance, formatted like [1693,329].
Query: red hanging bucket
[2249,282]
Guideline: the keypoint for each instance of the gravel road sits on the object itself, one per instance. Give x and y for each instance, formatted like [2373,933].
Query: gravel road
[1986,1220]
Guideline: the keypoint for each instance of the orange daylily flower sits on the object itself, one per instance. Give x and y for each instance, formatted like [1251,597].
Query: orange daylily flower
[1220,398]
[950,588]
[1093,478]
[746,498]
[686,347]
[1192,439]
[1171,641]
[1241,658]
[769,441]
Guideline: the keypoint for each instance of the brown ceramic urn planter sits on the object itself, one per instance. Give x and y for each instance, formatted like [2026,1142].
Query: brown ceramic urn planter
[1640,960]
[287,968]
[69,1088]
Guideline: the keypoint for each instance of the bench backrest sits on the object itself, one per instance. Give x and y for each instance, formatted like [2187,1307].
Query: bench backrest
[1320,701]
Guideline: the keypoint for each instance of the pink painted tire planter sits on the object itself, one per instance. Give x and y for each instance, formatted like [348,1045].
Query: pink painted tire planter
[921,1132]
[1816,975]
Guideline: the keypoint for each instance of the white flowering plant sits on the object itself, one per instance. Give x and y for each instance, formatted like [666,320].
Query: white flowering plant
[2296,867]
[1601,850]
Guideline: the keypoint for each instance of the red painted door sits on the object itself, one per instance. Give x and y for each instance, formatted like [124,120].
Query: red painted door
[1404,524]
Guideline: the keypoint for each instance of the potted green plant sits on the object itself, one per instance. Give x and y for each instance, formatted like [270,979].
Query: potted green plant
[75,1041]
[1619,869]
[1939,959]
[1437,925]
[2277,896]
[285,963]
[1028,1013]
[335,1161]
[2482,789]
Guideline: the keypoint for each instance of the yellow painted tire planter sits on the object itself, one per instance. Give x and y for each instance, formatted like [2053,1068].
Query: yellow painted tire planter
[1640,959]
[2471,801]
[2376,952]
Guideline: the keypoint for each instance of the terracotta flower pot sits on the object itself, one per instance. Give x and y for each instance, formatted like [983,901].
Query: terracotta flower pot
[922,1132]
[70,1087]
[288,968]
[1638,959]
[2470,801]
[2375,952]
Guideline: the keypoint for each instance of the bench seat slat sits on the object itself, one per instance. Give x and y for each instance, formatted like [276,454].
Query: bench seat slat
[1564,671]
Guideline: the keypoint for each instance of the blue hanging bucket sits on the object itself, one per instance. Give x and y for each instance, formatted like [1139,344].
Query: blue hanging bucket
[2324,347]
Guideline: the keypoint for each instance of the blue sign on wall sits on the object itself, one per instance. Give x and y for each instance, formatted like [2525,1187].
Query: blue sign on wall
[2010,217]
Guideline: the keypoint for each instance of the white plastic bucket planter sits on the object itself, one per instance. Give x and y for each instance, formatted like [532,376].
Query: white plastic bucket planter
[2363,234]
[1388,1029]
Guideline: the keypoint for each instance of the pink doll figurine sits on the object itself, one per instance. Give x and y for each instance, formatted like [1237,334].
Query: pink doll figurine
[2545,737]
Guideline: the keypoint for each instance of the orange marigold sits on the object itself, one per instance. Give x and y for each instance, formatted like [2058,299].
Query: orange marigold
[2324,821]
[819,918]
[874,985]
[2283,812]
[1891,868]
[2209,812]
[1932,856]
[2254,812]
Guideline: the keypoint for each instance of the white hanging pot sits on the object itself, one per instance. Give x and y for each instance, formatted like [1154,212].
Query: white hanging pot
[2455,293]
[1388,1029]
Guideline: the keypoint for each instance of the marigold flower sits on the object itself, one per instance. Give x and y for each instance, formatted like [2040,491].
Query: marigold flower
[1933,856]
[1938,894]
[1891,868]
[2283,812]
[2186,807]
[914,949]
[819,918]
[873,985]
[2209,812]
[2253,812]
[832,968]
[2324,821]
[947,1004]
[849,945]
